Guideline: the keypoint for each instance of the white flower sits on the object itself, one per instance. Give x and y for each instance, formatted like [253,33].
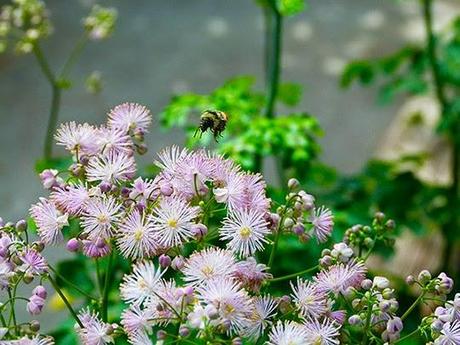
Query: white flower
[207,264]
[172,220]
[246,230]
[141,284]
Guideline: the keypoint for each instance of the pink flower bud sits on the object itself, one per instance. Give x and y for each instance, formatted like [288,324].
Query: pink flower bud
[40,291]
[73,245]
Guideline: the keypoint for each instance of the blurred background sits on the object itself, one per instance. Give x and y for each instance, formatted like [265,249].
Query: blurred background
[160,48]
[163,48]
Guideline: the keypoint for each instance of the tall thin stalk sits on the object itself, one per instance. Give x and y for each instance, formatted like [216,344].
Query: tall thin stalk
[56,83]
[272,61]
[453,224]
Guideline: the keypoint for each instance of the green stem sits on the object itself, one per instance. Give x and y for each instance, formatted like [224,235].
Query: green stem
[43,63]
[416,302]
[98,278]
[65,300]
[72,285]
[407,336]
[454,190]
[274,68]
[55,100]
[368,322]
[12,312]
[105,294]
[293,275]
[75,53]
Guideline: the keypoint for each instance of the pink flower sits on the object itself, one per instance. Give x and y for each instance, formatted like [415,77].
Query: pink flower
[323,222]
[251,274]
[49,221]
[100,217]
[71,199]
[136,236]
[114,140]
[339,277]
[111,168]
[208,264]
[79,139]
[130,116]
[245,229]
[32,262]
[172,220]
[311,301]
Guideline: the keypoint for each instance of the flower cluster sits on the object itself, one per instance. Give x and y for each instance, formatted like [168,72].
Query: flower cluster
[21,263]
[201,239]
[100,22]
[24,22]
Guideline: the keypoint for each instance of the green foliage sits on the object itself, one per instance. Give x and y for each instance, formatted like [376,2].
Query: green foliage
[291,137]
[290,7]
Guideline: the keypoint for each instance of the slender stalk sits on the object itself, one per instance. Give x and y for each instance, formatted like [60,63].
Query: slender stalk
[52,120]
[272,63]
[293,275]
[75,53]
[105,294]
[407,336]
[12,312]
[454,191]
[43,63]
[65,300]
[72,285]
[274,67]
[416,302]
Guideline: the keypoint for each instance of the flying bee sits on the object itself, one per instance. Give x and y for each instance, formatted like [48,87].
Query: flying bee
[214,120]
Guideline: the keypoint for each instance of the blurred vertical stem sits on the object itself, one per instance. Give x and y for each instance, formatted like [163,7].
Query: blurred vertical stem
[105,293]
[453,223]
[56,83]
[273,50]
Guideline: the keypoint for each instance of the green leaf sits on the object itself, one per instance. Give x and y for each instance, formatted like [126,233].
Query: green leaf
[290,7]
[58,163]
[358,70]
[290,94]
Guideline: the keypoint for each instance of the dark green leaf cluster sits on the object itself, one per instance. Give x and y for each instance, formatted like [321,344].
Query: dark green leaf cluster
[291,137]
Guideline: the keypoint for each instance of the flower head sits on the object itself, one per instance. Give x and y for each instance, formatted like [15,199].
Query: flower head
[71,199]
[338,278]
[130,116]
[49,221]
[263,309]
[100,216]
[246,230]
[79,139]
[114,140]
[111,168]
[208,264]
[136,236]
[141,284]
[322,333]
[32,262]
[288,333]
[309,299]
[323,222]
[172,220]
[231,301]
[94,331]
[251,274]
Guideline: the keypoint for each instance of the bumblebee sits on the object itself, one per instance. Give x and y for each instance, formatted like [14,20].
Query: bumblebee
[215,121]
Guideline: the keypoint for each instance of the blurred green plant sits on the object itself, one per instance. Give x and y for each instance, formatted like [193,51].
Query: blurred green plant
[255,131]
[24,24]
[432,67]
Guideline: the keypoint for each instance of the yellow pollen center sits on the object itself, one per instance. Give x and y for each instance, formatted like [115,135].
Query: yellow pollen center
[138,234]
[102,218]
[207,270]
[245,232]
[172,223]
[228,309]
